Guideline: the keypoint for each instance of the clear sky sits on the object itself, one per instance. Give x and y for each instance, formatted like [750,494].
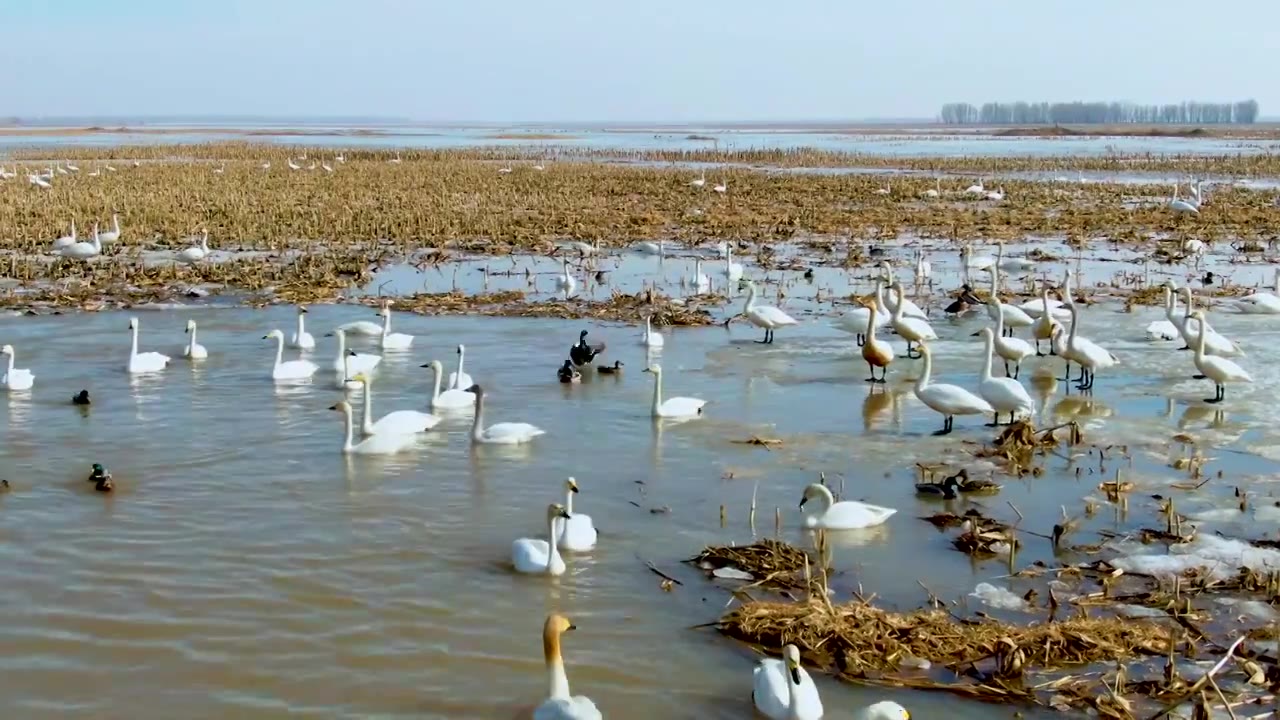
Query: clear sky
[520,60]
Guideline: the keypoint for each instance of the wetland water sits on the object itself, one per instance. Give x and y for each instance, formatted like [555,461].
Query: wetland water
[246,568]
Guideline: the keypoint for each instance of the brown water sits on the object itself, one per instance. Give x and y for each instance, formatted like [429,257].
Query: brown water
[246,568]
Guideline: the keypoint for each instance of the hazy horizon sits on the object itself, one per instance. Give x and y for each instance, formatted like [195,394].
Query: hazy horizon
[500,62]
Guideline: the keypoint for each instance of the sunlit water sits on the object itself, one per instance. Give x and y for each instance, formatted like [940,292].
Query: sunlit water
[246,568]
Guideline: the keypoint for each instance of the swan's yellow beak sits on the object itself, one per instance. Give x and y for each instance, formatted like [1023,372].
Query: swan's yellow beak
[360,377]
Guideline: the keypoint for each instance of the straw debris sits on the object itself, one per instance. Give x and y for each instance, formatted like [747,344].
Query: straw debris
[772,563]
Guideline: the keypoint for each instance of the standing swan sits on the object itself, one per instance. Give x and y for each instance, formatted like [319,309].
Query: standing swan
[194,350]
[560,705]
[878,353]
[844,515]
[912,329]
[950,400]
[147,362]
[390,340]
[541,557]
[1088,354]
[302,340]
[565,281]
[676,407]
[1005,394]
[506,433]
[292,370]
[381,444]
[460,380]
[782,690]
[1218,369]
[15,378]
[1010,349]
[578,533]
[398,422]
[763,316]
[449,399]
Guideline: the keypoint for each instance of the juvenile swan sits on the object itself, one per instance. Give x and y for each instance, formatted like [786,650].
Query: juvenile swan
[844,515]
[782,690]
[560,705]
[534,556]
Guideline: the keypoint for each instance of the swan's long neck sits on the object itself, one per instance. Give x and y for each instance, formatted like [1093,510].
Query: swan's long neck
[386,323]
[462,358]
[133,348]
[553,554]
[73,229]
[657,391]
[986,361]
[793,699]
[477,425]
[115,223]
[1190,299]
[347,445]
[366,422]
[648,326]
[1075,325]
[1169,304]
[897,311]
[555,666]
[1044,301]
[825,499]
[191,344]
[922,382]
[995,278]
[279,348]
[999,318]
[342,347]
[10,369]
[871,323]
[568,501]
[751,298]
[880,303]
[728,258]
[435,385]
[302,326]
[1200,343]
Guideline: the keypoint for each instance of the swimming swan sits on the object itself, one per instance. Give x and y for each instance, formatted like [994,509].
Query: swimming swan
[676,407]
[650,337]
[348,365]
[147,362]
[950,400]
[400,421]
[292,370]
[449,399]
[302,340]
[763,316]
[884,710]
[1005,394]
[560,705]
[578,533]
[194,350]
[1218,369]
[844,515]
[15,378]
[541,557]
[390,340]
[380,444]
[782,690]
[1262,303]
[459,379]
[506,433]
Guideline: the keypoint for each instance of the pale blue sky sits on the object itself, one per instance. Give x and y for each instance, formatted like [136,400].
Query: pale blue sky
[510,60]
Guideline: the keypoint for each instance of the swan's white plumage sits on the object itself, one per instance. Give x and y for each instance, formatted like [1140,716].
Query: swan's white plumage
[946,398]
[505,433]
[400,421]
[140,363]
[763,316]
[777,696]
[380,444]
[538,557]
[650,337]
[15,378]
[349,365]
[389,340]
[193,349]
[449,399]
[291,370]
[459,379]
[302,340]
[676,407]
[1004,394]
[843,515]
[578,533]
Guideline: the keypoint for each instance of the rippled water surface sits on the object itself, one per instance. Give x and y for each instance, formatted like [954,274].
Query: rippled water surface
[246,568]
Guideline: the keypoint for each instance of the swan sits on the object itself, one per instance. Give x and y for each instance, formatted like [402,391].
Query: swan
[380,444]
[924,269]
[1014,317]
[950,400]
[1045,322]
[913,330]
[890,303]
[1219,370]
[541,557]
[1006,395]
[66,240]
[578,533]
[1053,306]
[782,690]
[15,378]
[302,339]
[559,705]
[996,195]
[566,281]
[194,350]
[763,316]
[1012,264]
[1089,355]
[292,370]
[722,187]
[390,340]
[732,270]
[361,327]
[1215,343]
[649,248]
[348,364]
[884,710]
[459,379]
[398,422]
[981,262]
[1181,206]
[886,190]
[700,281]
[113,234]
[650,337]
[1262,303]
[147,362]
[449,399]
[936,190]
[83,250]
[843,515]
[197,253]
[506,433]
[976,188]
[1010,349]
[676,407]
[1165,329]
[855,321]
[699,181]
[878,353]
[39,182]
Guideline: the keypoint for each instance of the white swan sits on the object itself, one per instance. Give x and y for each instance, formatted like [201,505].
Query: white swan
[1166,329]
[566,282]
[1089,355]
[380,444]
[66,240]
[763,316]
[560,705]
[361,327]
[1043,328]
[1181,206]
[884,710]
[890,302]
[976,188]
[855,321]
[676,407]
[302,339]
[398,422]
[924,269]
[450,399]
[1262,303]
[541,557]
[782,690]
[732,270]
[347,364]
[950,400]
[147,362]
[913,330]
[1014,317]
[1010,349]
[83,250]
[1215,343]
[980,262]
[390,340]
[1045,304]
[843,515]
[701,281]
[113,234]
[15,378]
[1006,395]
[194,350]
[578,533]
[1219,370]
[292,370]
[650,337]
[936,190]
[197,253]
[459,379]
[507,433]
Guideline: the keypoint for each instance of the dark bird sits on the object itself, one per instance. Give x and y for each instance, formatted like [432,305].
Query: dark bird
[101,478]
[615,369]
[582,353]
[964,303]
[567,374]
[81,398]
[1207,279]
[945,489]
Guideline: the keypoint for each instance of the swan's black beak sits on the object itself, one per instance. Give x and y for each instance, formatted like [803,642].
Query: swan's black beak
[266,337]
[333,407]
[803,500]
[571,627]
[795,675]
[302,310]
[352,353]
[564,515]
[328,334]
[573,489]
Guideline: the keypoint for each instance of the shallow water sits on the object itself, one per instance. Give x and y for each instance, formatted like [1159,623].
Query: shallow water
[246,568]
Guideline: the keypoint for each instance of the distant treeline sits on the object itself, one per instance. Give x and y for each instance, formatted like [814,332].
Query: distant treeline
[1044,113]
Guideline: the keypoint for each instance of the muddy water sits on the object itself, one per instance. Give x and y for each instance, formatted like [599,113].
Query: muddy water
[246,568]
